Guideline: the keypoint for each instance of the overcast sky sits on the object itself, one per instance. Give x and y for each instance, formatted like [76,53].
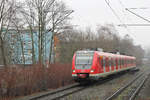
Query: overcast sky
[90,13]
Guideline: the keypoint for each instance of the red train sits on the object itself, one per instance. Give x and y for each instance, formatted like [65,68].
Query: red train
[92,65]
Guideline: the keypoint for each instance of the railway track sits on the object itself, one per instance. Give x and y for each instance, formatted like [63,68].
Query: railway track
[130,90]
[52,93]
[60,93]
[63,92]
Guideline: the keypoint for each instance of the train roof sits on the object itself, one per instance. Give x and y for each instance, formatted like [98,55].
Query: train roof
[104,54]
[114,55]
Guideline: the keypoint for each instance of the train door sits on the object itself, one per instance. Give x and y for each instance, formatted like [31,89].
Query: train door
[126,62]
[116,60]
[103,64]
[112,64]
[99,64]
[121,63]
[107,64]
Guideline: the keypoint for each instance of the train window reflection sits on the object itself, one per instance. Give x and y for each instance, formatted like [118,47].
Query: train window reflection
[83,59]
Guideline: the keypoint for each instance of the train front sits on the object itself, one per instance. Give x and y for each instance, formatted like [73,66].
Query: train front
[82,65]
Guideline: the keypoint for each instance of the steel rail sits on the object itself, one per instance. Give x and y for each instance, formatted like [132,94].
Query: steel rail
[123,88]
[66,94]
[82,88]
[43,94]
[56,91]
[139,88]
[70,92]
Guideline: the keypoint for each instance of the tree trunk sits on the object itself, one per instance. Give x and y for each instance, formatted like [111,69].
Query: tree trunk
[3,51]
[22,50]
[33,52]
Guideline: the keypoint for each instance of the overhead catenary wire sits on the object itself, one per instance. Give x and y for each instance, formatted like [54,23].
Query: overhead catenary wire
[113,11]
[135,25]
[138,15]
[124,11]
[123,6]
[117,16]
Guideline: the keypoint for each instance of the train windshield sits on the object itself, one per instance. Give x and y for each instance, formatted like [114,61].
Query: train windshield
[84,59]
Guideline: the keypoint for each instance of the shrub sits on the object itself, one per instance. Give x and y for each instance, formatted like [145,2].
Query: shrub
[20,81]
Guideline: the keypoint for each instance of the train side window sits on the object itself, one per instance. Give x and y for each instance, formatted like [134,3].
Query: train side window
[120,62]
[104,62]
[109,61]
[124,61]
[130,61]
[114,62]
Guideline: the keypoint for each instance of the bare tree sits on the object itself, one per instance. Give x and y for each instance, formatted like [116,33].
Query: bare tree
[107,37]
[7,9]
[45,16]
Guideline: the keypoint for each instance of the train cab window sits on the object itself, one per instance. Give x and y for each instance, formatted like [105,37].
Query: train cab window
[84,59]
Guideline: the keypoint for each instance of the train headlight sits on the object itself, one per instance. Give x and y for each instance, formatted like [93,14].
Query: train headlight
[74,71]
[92,71]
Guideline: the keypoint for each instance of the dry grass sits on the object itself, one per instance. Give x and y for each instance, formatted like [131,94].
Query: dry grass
[20,81]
